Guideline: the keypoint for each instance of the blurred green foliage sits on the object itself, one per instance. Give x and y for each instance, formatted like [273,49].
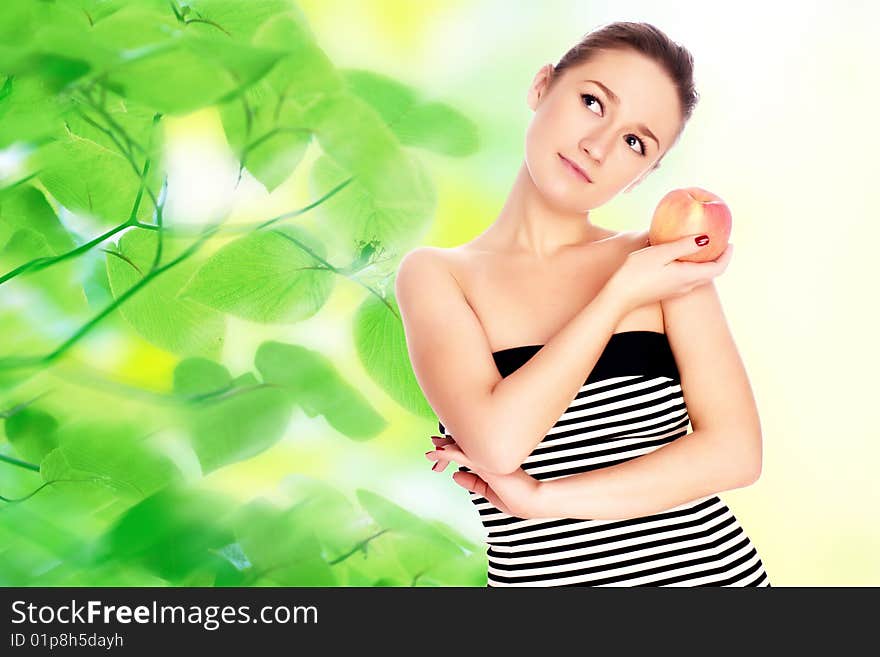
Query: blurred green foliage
[94,492]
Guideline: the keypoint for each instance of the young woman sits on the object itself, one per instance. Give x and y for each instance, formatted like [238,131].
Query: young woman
[590,482]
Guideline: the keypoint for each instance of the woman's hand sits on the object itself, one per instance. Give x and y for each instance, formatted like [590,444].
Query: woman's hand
[514,494]
[653,272]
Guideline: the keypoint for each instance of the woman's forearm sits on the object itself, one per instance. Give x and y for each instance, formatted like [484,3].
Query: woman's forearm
[528,402]
[693,466]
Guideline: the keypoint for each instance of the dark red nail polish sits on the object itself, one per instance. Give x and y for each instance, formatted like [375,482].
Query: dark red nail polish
[702,240]
[434,467]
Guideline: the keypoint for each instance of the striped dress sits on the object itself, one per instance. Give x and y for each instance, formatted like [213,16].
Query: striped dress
[630,404]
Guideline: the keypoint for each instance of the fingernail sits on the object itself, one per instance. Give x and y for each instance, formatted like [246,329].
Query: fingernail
[441,448]
[428,452]
[434,467]
[702,240]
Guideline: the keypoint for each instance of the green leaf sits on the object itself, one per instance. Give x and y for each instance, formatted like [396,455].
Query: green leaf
[276,155]
[39,538]
[381,346]
[57,282]
[24,245]
[26,207]
[418,546]
[30,112]
[18,21]
[395,518]
[432,125]
[264,124]
[389,581]
[134,26]
[281,546]
[336,523]
[50,40]
[87,177]
[239,20]
[305,73]
[266,276]
[140,136]
[463,570]
[57,70]
[455,536]
[358,215]
[179,325]
[29,229]
[313,383]
[173,533]
[266,134]
[237,424]
[195,71]
[200,376]
[61,49]
[99,10]
[107,453]
[96,284]
[32,433]
[20,338]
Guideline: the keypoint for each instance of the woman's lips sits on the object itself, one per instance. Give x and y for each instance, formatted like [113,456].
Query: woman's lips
[574,169]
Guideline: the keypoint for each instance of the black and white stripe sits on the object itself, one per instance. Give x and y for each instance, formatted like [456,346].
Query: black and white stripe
[630,405]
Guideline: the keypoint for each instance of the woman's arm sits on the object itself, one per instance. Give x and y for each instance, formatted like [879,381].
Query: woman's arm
[496,421]
[723,451]
[690,467]
[536,394]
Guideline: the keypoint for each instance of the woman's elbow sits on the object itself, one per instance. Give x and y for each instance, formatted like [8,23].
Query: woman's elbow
[494,463]
[503,467]
[756,471]
[504,461]
[489,460]
[752,470]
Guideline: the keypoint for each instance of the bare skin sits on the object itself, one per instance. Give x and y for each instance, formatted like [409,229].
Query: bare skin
[548,207]
[542,259]
[521,302]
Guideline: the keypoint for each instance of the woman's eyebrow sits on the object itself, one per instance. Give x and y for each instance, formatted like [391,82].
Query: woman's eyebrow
[616,99]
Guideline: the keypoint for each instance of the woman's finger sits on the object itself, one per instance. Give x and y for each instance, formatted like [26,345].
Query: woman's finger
[440,462]
[725,257]
[471,481]
[476,485]
[719,264]
[449,453]
[441,441]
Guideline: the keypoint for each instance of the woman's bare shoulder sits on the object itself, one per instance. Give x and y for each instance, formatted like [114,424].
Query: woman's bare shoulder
[449,257]
[435,258]
[478,251]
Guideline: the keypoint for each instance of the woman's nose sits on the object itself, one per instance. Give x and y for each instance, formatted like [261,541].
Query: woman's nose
[597,145]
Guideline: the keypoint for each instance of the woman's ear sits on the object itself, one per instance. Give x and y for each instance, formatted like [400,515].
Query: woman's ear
[539,85]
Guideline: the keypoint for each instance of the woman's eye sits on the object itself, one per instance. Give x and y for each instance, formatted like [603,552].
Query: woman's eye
[640,143]
[588,98]
[584,97]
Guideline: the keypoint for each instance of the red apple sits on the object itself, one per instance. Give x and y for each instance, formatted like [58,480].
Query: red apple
[692,211]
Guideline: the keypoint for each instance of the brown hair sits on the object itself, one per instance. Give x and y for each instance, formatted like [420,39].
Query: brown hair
[647,40]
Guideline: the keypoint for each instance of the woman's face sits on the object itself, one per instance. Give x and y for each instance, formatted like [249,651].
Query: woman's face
[609,140]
